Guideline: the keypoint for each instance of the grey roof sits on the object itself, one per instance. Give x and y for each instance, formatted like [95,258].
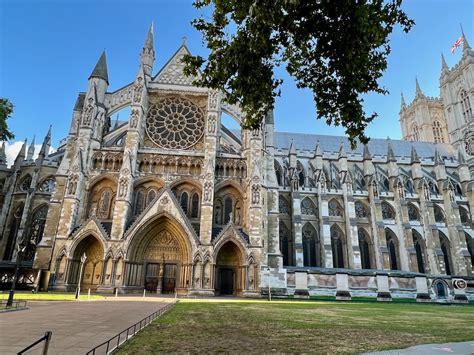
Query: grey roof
[100,70]
[377,146]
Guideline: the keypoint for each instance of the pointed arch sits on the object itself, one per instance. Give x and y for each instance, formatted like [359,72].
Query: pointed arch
[311,246]
[392,247]
[361,209]
[301,171]
[335,208]
[278,172]
[439,214]
[366,249]
[420,250]
[445,246]
[286,244]
[308,207]
[338,246]
[388,212]
[413,212]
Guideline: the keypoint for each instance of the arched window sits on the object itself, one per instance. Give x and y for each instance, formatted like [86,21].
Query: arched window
[361,210]
[227,209]
[420,251]
[413,213]
[464,215]
[337,246]
[335,209]
[470,247]
[387,211]
[465,106]
[416,133]
[195,206]
[437,132]
[285,246]
[150,196]
[138,206]
[438,214]
[104,205]
[283,205]
[25,183]
[409,185]
[301,175]
[364,246]
[218,212]
[392,246]
[309,245]
[14,226]
[308,207]
[183,202]
[278,172]
[35,231]
[446,250]
[47,185]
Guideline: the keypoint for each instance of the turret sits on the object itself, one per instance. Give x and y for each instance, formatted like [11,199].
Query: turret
[31,150]
[148,53]
[292,156]
[342,158]
[99,79]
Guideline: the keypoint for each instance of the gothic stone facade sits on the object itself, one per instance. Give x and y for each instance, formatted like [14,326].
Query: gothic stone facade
[173,201]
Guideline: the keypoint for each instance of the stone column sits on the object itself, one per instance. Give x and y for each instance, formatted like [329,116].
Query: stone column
[325,230]
[297,227]
[210,148]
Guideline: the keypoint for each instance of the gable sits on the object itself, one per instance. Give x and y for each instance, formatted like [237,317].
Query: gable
[172,72]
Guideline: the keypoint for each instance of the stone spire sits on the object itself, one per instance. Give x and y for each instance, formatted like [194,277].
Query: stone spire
[100,70]
[147,57]
[437,158]
[21,155]
[403,104]
[292,155]
[44,151]
[342,151]
[466,48]
[418,92]
[31,150]
[317,150]
[366,155]
[3,155]
[414,156]
[390,154]
[444,66]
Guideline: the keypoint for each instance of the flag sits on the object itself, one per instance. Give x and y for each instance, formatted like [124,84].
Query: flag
[457,44]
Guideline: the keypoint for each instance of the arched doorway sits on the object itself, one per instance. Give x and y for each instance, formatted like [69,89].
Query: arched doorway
[229,270]
[159,258]
[92,248]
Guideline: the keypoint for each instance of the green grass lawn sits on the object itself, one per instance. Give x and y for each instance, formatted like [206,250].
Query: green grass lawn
[47,296]
[196,326]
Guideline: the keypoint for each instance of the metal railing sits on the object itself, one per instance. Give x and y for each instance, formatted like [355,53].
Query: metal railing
[113,343]
[46,338]
[20,304]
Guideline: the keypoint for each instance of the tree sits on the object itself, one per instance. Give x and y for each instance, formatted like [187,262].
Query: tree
[337,49]
[6,109]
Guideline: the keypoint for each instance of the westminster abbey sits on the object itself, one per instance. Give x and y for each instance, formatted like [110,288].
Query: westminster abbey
[173,201]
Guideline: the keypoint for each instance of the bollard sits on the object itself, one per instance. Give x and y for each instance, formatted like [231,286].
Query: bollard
[144,292]
[89,294]
[48,336]
[116,292]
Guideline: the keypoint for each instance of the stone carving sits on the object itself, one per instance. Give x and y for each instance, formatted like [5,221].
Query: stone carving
[164,200]
[469,142]
[255,194]
[173,72]
[137,90]
[123,187]
[163,246]
[87,117]
[208,191]
[211,124]
[213,100]
[72,184]
[134,116]
[175,123]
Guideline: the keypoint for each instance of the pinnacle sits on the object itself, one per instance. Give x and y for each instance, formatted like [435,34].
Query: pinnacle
[444,66]
[100,70]
[418,93]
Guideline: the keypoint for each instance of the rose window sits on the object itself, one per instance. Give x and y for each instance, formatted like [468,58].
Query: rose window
[175,123]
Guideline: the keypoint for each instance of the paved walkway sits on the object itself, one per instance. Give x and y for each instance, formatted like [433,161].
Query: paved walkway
[77,326]
[466,347]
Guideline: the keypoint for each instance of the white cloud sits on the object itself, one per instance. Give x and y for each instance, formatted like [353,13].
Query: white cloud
[13,148]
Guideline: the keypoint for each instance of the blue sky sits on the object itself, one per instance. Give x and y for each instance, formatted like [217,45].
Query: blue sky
[49,48]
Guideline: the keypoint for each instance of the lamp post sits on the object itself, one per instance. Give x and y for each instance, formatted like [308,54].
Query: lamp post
[269,286]
[20,250]
[78,289]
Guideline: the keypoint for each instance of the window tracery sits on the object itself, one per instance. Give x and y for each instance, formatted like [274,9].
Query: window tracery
[283,206]
[335,209]
[47,185]
[413,213]
[465,106]
[464,215]
[308,207]
[175,123]
[437,132]
[35,231]
[438,214]
[309,245]
[361,210]
[25,183]
[387,211]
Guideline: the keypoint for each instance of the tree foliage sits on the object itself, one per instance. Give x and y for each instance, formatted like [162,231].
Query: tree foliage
[6,109]
[337,49]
